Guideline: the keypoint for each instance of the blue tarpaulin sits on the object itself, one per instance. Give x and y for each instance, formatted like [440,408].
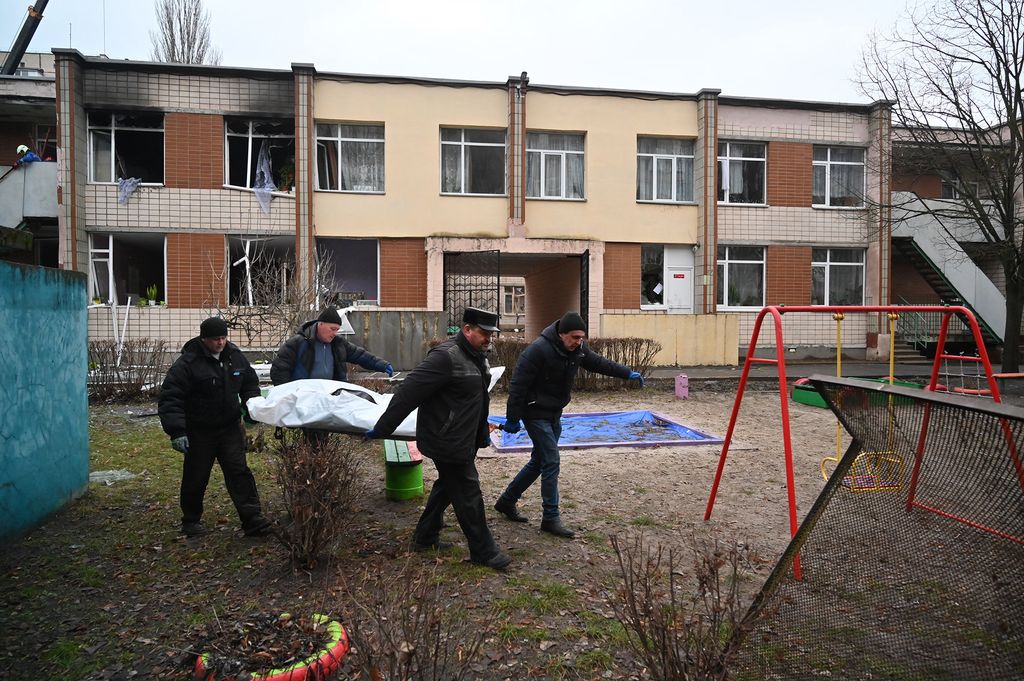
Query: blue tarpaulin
[608,429]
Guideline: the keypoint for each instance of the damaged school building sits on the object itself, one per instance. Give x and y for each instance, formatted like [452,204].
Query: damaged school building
[669,216]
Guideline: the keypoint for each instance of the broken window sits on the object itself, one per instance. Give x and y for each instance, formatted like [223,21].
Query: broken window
[472,161]
[652,274]
[261,269]
[355,273]
[46,142]
[126,145]
[741,172]
[245,139]
[125,265]
[349,158]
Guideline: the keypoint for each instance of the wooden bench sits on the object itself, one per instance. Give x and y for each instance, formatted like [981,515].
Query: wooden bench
[403,470]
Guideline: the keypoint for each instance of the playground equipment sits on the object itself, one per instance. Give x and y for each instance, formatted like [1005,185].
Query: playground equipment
[882,473]
[871,471]
[889,593]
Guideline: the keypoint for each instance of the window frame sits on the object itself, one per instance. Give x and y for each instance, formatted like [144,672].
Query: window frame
[827,164]
[723,278]
[661,277]
[109,255]
[340,141]
[562,154]
[516,295]
[112,129]
[828,264]
[675,160]
[723,163]
[250,122]
[462,144]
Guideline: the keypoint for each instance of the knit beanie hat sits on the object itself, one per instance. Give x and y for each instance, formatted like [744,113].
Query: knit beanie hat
[571,321]
[214,327]
[330,316]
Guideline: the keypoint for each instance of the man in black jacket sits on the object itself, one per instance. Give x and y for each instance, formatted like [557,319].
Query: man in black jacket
[540,388]
[200,410]
[450,389]
[317,351]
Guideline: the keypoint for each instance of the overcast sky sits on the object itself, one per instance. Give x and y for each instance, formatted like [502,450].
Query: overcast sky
[793,49]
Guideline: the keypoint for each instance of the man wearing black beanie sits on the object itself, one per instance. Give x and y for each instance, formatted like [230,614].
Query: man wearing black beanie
[201,404]
[540,388]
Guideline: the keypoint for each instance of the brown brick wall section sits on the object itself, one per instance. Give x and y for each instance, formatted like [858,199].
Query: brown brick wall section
[12,135]
[193,151]
[403,273]
[788,275]
[925,186]
[195,270]
[622,276]
[789,174]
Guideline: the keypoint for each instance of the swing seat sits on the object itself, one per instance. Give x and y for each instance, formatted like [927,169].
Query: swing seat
[870,472]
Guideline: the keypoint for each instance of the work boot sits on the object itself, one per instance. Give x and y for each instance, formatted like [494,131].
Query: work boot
[257,526]
[508,509]
[554,526]
[196,529]
[498,561]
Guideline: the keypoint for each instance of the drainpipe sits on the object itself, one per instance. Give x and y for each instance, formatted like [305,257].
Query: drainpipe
[20,46]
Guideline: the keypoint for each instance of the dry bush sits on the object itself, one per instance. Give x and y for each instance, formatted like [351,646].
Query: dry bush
[505,354]
[635,353]
[406,627]
[682,633]
[135,370]
[319,486]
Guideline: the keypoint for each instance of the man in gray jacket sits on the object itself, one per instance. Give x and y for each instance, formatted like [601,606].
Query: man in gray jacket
[449,387]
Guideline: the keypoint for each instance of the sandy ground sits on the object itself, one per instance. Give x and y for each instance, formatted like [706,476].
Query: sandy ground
[664,490]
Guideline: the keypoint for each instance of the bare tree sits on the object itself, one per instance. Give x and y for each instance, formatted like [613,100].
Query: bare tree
[953,72]
[183,33]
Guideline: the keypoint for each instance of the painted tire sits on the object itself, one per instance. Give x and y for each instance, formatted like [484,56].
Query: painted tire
[315,667]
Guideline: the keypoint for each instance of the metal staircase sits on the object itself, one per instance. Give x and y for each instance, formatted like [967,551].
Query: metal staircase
[947,269]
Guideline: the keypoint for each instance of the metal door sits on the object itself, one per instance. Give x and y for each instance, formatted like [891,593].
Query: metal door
[471,279]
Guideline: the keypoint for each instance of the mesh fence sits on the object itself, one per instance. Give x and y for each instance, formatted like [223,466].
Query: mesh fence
[903,580]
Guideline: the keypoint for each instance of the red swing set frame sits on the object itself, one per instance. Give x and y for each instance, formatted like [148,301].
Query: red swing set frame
[947,312]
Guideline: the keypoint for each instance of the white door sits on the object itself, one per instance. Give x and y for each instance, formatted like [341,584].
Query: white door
[679,294]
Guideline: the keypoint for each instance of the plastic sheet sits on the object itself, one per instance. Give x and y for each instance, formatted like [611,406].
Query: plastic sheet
[609,429]
[263,183]
[331,405]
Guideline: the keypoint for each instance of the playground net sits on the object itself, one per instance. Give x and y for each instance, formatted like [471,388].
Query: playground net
[913,554]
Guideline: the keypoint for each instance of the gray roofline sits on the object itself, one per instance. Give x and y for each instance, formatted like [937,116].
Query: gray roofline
[107,64]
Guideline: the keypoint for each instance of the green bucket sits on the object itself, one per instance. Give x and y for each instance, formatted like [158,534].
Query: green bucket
[403,481]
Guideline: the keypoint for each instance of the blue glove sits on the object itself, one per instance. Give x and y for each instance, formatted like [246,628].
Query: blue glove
[389,370]
[371,434]
[180,444]
[511,426]
[636,376]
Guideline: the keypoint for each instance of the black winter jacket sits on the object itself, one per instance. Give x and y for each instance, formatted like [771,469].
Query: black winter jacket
[541,384]
[450,388]
[201,392]
[294,359]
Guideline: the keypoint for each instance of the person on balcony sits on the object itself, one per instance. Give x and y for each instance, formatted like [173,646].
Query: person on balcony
[26,155]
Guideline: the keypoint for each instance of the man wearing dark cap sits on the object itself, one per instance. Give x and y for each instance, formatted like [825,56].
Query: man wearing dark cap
[317,351]
[200,407]
[450,389]
[540,388]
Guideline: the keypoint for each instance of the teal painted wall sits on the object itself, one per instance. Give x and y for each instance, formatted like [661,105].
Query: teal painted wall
[44,404]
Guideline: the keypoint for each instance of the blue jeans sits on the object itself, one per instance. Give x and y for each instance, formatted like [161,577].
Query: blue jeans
[544,463]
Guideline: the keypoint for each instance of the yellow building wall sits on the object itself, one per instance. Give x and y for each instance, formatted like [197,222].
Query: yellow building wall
[686,340]
[610,211]
[412,204]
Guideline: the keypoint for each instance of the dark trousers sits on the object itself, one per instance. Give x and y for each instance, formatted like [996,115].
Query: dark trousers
[226,446]
[458,486]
